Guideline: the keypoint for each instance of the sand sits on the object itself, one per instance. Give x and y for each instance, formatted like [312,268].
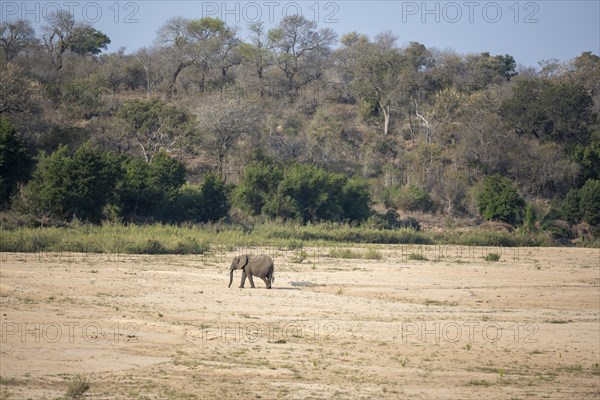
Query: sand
[448,326]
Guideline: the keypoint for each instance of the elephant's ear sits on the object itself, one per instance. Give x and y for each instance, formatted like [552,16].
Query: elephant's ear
[243,261]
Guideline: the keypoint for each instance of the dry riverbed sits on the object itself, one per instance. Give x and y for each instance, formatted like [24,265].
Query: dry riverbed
[418,322]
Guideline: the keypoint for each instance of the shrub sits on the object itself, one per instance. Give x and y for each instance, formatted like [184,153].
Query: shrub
[582,204]
[73,186]
[301,192]
[589,202]
[391,220]
[492,257]
[570,208]
[215,199]
[259,182]
[408,198]
[149,190]
[77,387]
[499,200]
[16,164]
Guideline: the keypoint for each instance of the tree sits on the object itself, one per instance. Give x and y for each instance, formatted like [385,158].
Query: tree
[223,125]
[498,200]
[484,69]
[18,93]
[16,164]
[215,200]
[149,190]
[302,50]
[115,71]
[156,126]
[15,37]
[557,111]
[373,71]
[258,184]
[195,42]
[589,201]
[301,192]
[86,40]
[64,34]
[588,157]
[146,58]
[73,186]
[583,204]
[259,51]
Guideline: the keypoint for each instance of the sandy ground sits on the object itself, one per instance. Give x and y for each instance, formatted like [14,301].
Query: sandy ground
[167,327]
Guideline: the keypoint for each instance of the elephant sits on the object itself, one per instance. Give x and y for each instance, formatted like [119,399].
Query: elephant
[261,266]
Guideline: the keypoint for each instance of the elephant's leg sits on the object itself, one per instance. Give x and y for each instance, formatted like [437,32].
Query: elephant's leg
[251,280]
[244,278]
[266,282]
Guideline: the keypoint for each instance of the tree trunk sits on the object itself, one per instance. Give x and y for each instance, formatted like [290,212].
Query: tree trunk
[171,88]
[385,108]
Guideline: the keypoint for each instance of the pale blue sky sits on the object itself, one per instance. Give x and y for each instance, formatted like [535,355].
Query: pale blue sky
[530,31]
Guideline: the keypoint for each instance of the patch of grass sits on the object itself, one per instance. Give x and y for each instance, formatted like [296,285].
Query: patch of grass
[77,387]
[430,302]
[558,321]
[572,368]
[304,284]
[194,239]
[479,382]
[417,257]
[342,253]
[372,254]
[345,253]
[299,256]
[492,257]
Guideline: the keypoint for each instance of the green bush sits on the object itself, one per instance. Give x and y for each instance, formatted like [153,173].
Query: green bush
[570,208]
[589,202]
[69,186]
[259,182]
[407,198]
[148,190]
[16,164]
[215,198]
[302,193]
[391,220]
[498,200]
[583,204]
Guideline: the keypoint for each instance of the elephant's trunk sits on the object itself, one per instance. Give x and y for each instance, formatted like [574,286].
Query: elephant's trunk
[230,277]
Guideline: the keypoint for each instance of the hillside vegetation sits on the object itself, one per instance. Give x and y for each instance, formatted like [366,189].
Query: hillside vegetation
[294,125]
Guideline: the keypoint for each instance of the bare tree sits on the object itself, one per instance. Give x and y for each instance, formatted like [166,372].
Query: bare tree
[302,50]
[223,125]
[156,125]
[144,56]
[57,36]
[15,37]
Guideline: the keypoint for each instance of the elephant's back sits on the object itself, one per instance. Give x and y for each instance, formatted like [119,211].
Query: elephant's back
[260,259]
